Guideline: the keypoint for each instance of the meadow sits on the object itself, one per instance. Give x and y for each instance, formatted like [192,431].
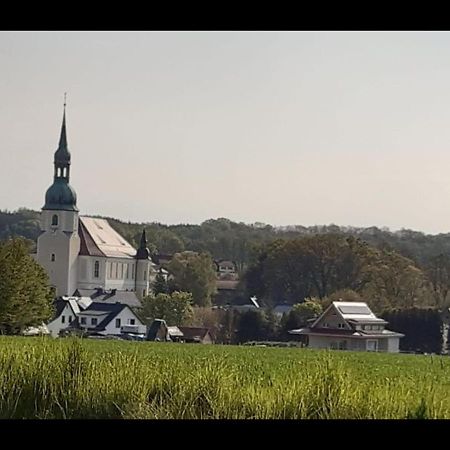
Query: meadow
[88,379]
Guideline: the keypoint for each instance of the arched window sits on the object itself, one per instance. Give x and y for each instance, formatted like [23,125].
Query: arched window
[54,220]
[53,257]
[96,269]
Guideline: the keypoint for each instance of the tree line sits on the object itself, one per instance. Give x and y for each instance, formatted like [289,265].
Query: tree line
[240,242]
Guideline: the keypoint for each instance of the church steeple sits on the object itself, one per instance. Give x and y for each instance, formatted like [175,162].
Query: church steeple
[61,195]
[143,252]
[62,154]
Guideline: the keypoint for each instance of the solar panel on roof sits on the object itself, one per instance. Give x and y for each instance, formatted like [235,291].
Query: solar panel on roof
[353,309]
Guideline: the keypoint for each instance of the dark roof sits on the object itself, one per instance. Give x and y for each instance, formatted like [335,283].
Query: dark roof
[155,327]
[87,245]
[112,309]
[113,296]
[143,252]
[59,305]
[194,332]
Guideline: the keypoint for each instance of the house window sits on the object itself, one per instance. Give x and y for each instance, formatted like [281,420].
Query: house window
[117,323]
[372,346]
[53,257]
[132,321]
[96,269]
[63,319]
[145,274]
[341,325]
[94,321]
[143,292]
[369,327]
[83,320]
[70,319]
[325,325]
[54,220]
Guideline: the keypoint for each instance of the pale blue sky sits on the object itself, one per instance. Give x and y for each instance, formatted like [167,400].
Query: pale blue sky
[351,128]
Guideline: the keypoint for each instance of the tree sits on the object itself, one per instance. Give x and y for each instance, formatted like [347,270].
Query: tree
[317,266]
[160,285]
[342,295]
[252,325]
[175,308]
[438,273]
[395,282]
[25,294]
[194,273]
[299,315]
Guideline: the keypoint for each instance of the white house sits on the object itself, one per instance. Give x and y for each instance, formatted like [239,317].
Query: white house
[350,326]
[67,309]
[86,252]
[110,319]
[104,316]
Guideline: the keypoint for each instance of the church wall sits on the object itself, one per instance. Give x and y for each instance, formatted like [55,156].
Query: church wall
[120,273]
[86,272]
[63,270]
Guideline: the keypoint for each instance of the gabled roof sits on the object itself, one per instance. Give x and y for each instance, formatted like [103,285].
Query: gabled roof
[354,312]
[156,325]
[113,296]
[100,239]
[106,310]
[61,302]
[194,332]
[88,247]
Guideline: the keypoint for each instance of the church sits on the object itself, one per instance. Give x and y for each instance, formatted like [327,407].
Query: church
[85,254]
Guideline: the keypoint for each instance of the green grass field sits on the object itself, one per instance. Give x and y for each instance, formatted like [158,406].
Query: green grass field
[68,378]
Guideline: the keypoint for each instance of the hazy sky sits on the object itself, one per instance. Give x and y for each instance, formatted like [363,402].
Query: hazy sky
[351,128]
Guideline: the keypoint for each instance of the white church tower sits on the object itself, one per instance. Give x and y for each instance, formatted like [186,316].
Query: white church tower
[144,269]
[59,244]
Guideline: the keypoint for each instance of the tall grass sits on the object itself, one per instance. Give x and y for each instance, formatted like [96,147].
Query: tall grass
[70,378]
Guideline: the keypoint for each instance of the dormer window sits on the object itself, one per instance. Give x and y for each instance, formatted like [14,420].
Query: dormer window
[54,220]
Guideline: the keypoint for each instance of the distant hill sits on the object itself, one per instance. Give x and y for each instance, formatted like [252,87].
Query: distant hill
[225,239]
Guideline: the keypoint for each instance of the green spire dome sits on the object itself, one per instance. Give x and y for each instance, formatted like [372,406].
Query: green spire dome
[61,195]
